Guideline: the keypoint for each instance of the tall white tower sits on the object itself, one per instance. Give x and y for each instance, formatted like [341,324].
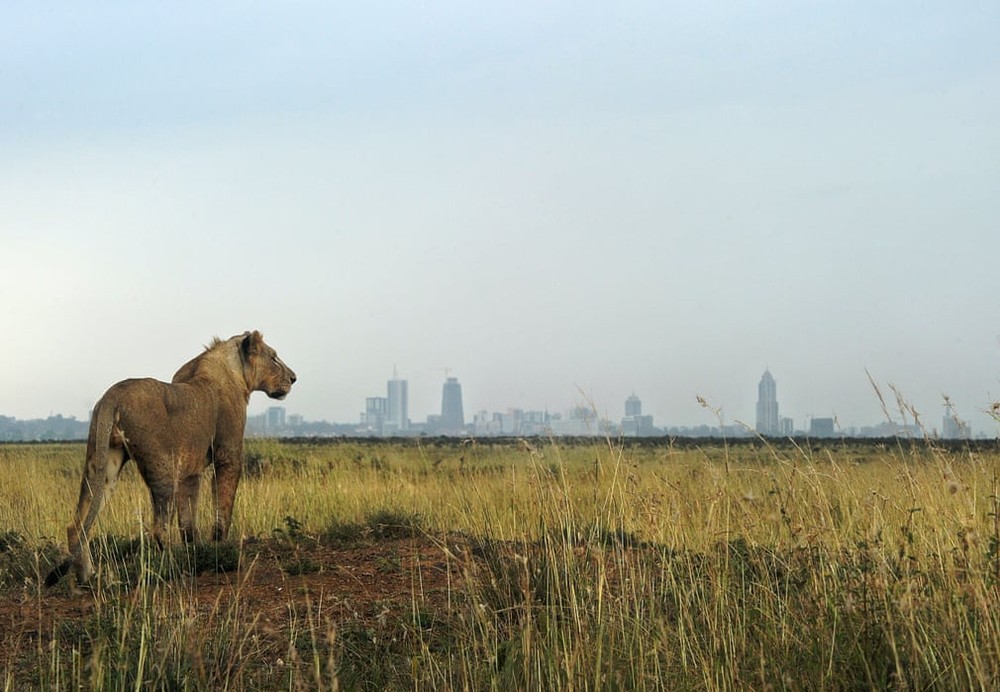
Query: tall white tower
[397,415]
[767,406]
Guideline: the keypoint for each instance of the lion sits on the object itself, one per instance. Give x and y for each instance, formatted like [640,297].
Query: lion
[173,431]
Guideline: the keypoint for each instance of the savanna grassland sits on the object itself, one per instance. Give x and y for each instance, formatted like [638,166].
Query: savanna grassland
[524,564]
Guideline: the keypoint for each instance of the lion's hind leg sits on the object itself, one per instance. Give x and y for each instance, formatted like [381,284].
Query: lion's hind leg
[99,476]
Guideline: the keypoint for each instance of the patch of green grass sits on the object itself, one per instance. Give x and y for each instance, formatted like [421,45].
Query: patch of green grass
[380,524]
[21,562]
[394,523]
[343,533]
[300,565]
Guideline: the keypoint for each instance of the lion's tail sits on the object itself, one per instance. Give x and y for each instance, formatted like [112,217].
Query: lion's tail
[59,572]
[92,487]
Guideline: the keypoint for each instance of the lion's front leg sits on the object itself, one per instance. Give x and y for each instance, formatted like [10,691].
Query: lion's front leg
[228,469]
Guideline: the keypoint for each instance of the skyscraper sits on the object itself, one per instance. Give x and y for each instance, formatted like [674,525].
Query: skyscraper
[374,416]
[767,406]
[275,417]
[953,427]
[633,406]
[452,417]
[397,416]
[634,423]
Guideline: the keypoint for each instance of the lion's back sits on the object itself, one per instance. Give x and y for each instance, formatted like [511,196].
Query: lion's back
[158,417]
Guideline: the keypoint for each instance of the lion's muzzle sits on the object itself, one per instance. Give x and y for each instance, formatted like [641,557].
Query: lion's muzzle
[287,379]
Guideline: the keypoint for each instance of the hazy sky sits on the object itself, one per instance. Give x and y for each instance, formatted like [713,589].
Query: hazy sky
[556,201]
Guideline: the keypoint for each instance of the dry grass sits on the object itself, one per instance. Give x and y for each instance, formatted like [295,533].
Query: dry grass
[583,566]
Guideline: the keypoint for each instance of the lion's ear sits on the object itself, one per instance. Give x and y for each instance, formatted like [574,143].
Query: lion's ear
[247,345]
[251,343]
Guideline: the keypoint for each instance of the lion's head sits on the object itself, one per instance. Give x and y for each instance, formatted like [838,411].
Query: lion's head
[265,371]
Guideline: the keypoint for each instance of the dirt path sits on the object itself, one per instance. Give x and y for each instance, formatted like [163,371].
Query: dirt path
[281,590]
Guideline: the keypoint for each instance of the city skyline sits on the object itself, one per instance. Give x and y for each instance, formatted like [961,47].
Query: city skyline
[386,417]
[389,414]
[587,419]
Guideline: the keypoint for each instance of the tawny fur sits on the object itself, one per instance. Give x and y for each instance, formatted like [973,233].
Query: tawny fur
[173,431]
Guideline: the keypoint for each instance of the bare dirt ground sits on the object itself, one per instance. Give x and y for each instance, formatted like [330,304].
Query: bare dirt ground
[280,591]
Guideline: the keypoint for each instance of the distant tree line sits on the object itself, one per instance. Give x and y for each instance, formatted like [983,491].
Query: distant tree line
[52,428]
